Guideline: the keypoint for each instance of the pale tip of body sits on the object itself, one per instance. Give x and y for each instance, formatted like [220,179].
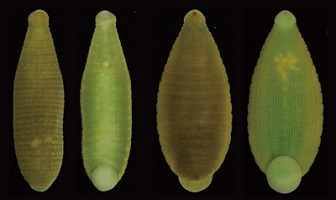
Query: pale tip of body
[284,174]
[195,185]
[104,177]
[285,18]
[38,17]
[105,17]
[40,189]
[194,17]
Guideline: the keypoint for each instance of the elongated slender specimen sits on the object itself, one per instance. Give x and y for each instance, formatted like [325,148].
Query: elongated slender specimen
[285,111]
[194,108]
[38,106]
[106,106]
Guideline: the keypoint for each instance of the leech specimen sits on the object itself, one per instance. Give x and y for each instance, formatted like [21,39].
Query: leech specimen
[38,106]
[194,107]
[106,106]
[285,111]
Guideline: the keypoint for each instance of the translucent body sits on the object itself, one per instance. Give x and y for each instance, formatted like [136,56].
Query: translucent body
[285,111]
[106,106]
[38,106]
[194,108]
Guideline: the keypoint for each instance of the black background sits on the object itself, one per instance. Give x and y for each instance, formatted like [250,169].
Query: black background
[147,32]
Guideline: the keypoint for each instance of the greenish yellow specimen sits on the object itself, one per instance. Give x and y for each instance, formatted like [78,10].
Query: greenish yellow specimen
[285,111]
[106,106]
[194,108]
[38,106]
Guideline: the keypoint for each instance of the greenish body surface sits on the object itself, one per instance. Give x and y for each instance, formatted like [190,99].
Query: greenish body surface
[285,111]
[106,103]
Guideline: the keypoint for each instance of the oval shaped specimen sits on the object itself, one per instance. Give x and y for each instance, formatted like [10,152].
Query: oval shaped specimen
[106,106]
[285,111]
[38,106]
[194,108]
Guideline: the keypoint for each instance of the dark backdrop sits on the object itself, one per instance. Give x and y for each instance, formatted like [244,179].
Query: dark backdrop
[147,32]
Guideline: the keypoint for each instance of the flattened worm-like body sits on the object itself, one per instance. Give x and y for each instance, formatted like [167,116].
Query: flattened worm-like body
[194,107]
[285,111]
[106,106]
[38,106]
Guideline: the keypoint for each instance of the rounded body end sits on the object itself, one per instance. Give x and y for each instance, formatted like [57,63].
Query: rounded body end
[104,177]
[38,17]
[40,188]
[105,17]
[284,174]
[194,17]
[285,19]
[195,185]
